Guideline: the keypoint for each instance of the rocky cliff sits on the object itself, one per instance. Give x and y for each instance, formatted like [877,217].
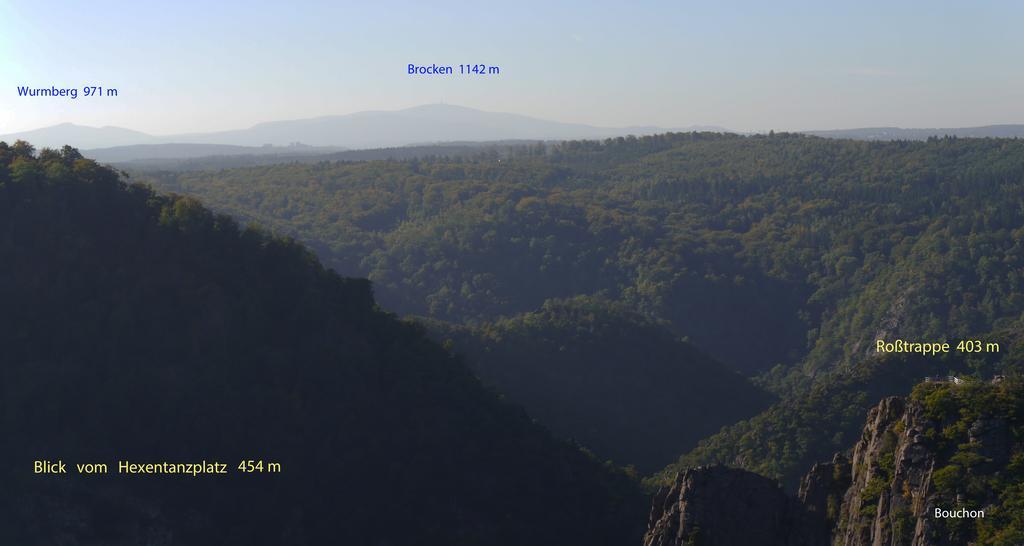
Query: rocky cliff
[952,448]
[890,490]
[718,506]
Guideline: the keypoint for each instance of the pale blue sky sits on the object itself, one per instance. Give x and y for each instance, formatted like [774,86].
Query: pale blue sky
[199,66]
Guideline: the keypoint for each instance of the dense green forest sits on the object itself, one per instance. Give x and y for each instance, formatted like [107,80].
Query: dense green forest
[782,256]
[147,328]
[761,250]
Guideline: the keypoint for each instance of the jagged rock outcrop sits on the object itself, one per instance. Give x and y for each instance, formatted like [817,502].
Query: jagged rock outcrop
[823,488]
[891,471]
[719,506]
[944,448]
[893,495]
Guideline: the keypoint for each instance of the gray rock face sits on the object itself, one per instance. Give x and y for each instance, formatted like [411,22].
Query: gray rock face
[892,496]
[718,506]
[872,512]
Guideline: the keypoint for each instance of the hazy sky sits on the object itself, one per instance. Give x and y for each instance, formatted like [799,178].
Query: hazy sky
[197,66]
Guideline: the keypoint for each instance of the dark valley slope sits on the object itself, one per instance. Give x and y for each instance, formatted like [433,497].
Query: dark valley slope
[617,383]
[145,328]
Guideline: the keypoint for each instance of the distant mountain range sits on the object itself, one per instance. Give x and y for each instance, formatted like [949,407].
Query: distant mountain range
[433,123]
[420,125]
[80,136]
[178,151]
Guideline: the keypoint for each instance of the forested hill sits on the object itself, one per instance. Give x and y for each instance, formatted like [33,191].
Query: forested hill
[598,373]
[761,250]
[145,328]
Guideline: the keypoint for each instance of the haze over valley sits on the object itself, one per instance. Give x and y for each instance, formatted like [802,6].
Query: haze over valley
[534,273]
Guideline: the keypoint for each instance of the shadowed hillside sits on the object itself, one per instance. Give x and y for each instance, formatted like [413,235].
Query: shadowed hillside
[145,328]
